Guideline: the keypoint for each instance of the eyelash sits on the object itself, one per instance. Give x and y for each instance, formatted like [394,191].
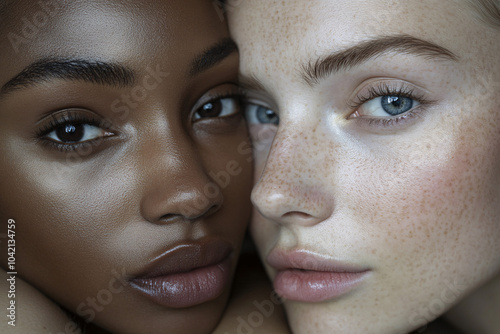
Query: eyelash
[237,106]
[67,118]
[70,117]
[237,93]
[385,89]
[240,96]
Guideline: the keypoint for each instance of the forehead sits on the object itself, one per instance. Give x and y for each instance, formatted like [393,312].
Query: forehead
[290,33]
[124,31]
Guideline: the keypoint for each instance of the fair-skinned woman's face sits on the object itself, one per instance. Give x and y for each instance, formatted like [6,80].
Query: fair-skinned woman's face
[125,159]
[377,194]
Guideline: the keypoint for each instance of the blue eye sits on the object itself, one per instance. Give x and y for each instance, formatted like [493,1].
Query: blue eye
[396,105]
[388,105]
[257,114]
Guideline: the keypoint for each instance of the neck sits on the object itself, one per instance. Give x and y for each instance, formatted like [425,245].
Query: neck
[478,313]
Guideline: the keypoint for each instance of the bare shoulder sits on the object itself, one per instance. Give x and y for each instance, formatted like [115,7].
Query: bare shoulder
[30,310]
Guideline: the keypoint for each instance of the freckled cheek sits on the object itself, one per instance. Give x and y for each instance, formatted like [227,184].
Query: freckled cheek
[419,210]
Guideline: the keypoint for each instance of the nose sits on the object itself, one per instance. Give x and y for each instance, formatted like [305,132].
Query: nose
[177,185]
[292,187]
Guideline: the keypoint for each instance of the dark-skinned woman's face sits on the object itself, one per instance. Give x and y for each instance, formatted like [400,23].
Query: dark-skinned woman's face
[124,159]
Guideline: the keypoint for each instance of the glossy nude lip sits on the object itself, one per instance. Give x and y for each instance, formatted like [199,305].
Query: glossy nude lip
[187,275]
[302,276]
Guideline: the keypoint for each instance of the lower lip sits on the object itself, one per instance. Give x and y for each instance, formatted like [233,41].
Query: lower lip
[186,289]
[315,286]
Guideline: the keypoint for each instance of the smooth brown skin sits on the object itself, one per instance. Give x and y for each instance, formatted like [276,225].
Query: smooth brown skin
[107,210]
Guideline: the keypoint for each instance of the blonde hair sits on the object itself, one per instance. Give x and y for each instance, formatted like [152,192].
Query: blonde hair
[487,11]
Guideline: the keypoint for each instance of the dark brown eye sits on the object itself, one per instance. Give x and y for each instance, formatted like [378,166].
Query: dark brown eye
[218,108]
[70,133]
[211,109]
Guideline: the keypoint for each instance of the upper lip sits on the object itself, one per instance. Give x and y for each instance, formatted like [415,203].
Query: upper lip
[186,257]
[307,260]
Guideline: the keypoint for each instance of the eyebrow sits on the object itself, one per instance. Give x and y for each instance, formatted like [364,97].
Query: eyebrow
[314,71]
[92,71]
[212,56]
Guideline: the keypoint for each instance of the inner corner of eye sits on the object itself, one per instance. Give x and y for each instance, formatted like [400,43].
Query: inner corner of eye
[355,114]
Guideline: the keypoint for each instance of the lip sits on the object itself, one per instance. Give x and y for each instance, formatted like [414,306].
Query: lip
[188,274]
[308,277]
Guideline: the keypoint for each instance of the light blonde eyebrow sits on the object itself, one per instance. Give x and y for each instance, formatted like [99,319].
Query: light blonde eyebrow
[318,69]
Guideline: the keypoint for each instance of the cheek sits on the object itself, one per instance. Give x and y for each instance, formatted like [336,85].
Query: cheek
[229,163]
[434,207]
[65,226]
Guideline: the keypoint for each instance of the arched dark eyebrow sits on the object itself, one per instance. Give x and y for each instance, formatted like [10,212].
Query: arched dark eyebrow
[318,69]
[212,56]
[105,73]
[92,71]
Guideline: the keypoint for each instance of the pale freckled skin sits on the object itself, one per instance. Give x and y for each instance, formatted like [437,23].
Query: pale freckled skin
[416,203]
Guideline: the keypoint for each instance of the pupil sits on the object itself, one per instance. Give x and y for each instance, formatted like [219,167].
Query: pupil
[212,109]
[396,105]
[396,101]
[70,133]
[267,116]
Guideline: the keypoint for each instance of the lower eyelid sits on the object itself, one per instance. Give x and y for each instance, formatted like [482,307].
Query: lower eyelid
[77,146]
[64,147]
[392,122]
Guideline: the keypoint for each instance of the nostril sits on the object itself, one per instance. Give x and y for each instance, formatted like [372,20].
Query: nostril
[214,208]
[210,211]
[297,214]
[170,218]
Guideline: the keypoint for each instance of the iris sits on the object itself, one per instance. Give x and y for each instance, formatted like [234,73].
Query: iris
[396,105]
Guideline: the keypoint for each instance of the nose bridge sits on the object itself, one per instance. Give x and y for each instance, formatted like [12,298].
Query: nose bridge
[292,185]
[176,182]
